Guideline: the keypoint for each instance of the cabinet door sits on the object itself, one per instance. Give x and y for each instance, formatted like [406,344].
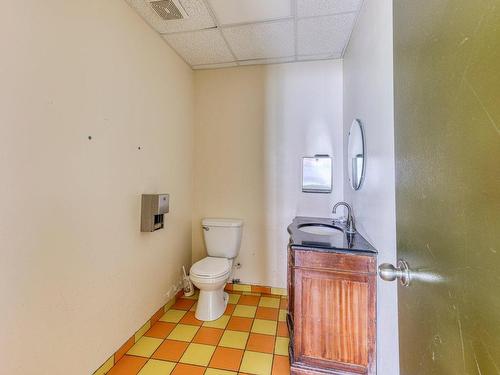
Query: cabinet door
[337,325]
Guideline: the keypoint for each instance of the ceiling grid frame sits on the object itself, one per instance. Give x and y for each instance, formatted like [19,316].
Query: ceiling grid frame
[265,53]
[217,24]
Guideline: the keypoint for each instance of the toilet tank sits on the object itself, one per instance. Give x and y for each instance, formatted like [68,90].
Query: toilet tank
[222,237]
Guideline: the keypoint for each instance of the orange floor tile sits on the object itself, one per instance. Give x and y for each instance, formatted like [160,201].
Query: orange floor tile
[234,345]
[128,365]
[160,330]
[261,343]
[267,313]
[237,323]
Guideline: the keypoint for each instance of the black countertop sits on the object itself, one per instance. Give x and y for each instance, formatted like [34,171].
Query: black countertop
[339,241]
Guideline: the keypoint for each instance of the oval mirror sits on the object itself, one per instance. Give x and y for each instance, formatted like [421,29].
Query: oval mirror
[356,159]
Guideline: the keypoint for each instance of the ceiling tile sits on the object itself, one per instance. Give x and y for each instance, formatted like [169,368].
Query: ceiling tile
[200,47]
[307,8]
[199,16]
[261,40]
[215,66]
[322,35]
[241,11]
[267,61]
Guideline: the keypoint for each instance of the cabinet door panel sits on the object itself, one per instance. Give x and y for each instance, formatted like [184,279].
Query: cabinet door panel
[334,327]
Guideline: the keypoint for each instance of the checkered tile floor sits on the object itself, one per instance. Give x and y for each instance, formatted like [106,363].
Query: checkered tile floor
[250,338]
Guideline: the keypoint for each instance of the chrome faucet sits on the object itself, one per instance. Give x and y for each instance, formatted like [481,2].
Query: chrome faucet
[351,226]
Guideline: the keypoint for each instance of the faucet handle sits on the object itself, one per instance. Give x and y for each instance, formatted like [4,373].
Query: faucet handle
[340,219]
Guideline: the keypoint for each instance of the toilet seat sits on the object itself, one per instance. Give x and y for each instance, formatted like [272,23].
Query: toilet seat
[210,276]
[211,268]
[197,280]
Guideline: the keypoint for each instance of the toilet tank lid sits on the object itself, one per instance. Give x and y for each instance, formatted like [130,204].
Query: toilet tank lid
[213,222]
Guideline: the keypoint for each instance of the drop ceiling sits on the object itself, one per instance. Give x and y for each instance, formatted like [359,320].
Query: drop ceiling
[224,33]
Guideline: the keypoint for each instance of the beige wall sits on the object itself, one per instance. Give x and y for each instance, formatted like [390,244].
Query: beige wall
[369,96]
[76,275]
[253,125]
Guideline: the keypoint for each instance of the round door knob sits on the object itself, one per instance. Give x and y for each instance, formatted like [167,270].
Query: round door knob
[388,272]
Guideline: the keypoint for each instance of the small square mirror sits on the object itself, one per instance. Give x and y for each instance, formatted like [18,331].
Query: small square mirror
[317,174]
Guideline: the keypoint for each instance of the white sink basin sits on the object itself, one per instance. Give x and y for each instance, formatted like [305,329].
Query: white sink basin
[322,230]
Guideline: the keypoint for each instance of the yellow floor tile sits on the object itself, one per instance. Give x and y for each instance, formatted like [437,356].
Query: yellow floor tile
[282,315]
[198,354]
[234,339]
[257,363]
[145,347]
[219,323]
[270,302]
[279,291]
[183,332]
[251,294]
[281,346]
[242,288]
[265,327]
[193,308]
[156,367]
[245,311]
[233,298]
[216,371]
[173,316]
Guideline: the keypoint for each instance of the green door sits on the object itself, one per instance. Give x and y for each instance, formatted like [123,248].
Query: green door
[447,137]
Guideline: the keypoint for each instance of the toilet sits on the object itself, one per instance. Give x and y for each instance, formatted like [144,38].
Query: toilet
[222,240]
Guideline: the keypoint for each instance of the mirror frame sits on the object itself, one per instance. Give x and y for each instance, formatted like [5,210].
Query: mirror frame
[358,123]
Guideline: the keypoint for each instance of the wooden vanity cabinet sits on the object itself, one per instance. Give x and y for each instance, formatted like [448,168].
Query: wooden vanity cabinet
[332,312]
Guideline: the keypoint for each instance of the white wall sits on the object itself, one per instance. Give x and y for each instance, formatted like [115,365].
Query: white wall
[77,278]
[368,96]
[253,125]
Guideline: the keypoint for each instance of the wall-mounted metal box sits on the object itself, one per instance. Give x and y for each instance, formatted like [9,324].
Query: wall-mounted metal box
[317,176]
[153,207]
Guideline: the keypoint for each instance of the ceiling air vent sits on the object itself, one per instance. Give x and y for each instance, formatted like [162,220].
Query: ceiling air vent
[169,9]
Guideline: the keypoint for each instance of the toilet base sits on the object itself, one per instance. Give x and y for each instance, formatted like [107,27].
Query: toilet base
[211,304]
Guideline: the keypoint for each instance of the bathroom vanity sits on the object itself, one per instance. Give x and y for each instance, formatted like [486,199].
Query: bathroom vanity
[332,299]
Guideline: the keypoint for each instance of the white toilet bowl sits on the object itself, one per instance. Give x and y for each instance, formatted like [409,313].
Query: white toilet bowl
[210,276]
[222,240]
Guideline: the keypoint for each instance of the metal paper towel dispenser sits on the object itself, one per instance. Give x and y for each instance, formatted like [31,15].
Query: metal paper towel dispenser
[153,207]
[317,174]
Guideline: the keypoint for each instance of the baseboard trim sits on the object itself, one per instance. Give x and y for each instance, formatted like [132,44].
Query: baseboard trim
[250,288]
